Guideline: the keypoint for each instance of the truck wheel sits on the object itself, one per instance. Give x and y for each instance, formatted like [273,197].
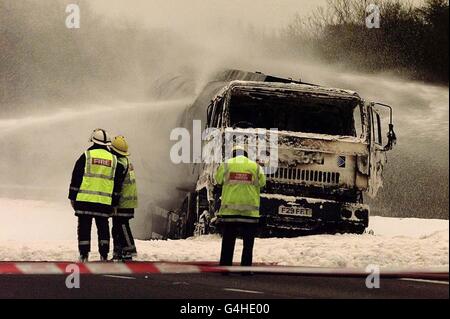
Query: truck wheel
[359,230]
[352,229]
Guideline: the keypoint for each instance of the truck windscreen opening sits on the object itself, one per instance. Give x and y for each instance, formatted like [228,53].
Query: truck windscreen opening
[292,111]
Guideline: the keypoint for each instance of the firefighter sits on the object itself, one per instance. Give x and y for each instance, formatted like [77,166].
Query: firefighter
[124,246]
[241,180]
[94,189]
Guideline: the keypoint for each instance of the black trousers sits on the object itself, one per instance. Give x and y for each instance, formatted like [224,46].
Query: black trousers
[230,232]
[84,235]
[122,237]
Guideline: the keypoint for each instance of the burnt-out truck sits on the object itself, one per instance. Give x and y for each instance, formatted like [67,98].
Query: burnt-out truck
[330,153]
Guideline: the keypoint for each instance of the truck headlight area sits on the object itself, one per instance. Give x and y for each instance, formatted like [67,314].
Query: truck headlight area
[296,213]
[320,148]
[346,213]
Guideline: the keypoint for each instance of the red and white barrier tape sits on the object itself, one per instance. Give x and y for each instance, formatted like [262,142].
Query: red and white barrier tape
[103,268]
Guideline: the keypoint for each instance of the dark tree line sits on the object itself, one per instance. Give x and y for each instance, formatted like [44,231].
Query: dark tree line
[411,40]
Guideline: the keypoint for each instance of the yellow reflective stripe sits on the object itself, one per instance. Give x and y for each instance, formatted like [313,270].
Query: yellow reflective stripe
[109,178]
[127,237]
[239,183]
[83,212]
[240,207]
[84,191]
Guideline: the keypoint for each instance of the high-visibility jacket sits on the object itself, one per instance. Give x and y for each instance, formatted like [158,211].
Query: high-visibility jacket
[128,196]
[98,178]
[241,180]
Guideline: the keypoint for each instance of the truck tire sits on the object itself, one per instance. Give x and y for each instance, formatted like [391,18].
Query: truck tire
[352,229]
[359,230]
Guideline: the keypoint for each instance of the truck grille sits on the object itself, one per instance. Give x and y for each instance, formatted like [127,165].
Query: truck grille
[297,175]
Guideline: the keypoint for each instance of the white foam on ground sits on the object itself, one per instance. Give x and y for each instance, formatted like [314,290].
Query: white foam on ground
[43,231]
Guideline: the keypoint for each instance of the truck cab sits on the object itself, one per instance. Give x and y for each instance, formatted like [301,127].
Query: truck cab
[324,151]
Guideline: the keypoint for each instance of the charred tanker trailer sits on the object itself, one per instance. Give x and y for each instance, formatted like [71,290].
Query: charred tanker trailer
[329,153]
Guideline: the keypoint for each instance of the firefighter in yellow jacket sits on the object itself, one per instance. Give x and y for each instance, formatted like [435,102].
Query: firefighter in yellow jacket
[124,246]
[94,189]
[241,180]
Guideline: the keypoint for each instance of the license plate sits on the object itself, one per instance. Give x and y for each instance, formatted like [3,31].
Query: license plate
[295,211]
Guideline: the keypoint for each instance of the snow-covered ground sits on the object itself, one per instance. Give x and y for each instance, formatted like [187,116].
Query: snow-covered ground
[43,231]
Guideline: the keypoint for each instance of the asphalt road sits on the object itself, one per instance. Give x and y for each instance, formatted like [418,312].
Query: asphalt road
[215,286]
